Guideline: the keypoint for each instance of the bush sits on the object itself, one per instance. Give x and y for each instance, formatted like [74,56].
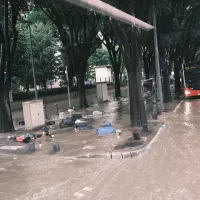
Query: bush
[20,96]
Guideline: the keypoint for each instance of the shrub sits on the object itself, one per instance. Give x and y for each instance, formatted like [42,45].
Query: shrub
[20,96]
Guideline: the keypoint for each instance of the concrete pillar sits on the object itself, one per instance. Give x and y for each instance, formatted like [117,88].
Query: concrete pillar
[102,92]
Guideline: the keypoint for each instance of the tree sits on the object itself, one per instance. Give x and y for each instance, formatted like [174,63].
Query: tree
[114,50]
[131,41]
[99,57]
[9,12]
[44,50]
[78,30]
[175,27]
[149,57]
[45,46]
[22,75]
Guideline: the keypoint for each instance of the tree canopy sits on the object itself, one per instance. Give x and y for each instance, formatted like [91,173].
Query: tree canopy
[74,31]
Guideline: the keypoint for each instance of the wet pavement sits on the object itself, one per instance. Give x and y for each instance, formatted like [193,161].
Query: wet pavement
[169,170]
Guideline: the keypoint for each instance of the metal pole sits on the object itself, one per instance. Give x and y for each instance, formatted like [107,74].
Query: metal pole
[158,77]
[57,110]
[108,10]
[155,114]
[67,77]
[45,112]
[32,62]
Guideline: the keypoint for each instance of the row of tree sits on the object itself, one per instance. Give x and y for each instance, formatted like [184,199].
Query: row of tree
[79,32]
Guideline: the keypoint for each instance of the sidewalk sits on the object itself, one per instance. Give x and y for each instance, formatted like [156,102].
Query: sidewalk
[86,144]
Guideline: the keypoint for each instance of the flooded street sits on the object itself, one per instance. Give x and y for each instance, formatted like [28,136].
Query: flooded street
[63,104]
[169,170]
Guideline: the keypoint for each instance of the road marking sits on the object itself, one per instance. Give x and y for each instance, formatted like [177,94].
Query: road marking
[177,107]
[12,147]
[88,147]
[78,195]
[2,169]
[87,189]
[6,155]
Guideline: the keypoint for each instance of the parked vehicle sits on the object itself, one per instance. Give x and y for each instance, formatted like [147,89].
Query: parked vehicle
[191,80]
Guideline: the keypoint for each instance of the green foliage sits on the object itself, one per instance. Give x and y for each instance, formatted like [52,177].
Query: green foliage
[99,57]
[20,96]
[44,49]
[178,28]
[37,15]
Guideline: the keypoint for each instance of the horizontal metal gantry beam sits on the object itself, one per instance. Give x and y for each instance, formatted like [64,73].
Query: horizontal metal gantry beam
[108,10]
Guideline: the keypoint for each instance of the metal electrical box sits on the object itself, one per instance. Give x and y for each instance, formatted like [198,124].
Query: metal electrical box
[102,92]
[33,114]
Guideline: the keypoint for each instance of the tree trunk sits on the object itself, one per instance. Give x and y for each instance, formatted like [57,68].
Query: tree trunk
[116,64]
[6,122]
[27,87]
[177,79]
[165,73]
[131,99]
[134,101]
[9,35]
[146,67]
[138,113]
[81,86]
[147,73]
[44,82]
[132,56]
[167,92]
[137,109]
[70,75]
[117,85]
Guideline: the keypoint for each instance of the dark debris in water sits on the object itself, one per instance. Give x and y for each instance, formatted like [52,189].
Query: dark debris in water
[129,143]
[161,124]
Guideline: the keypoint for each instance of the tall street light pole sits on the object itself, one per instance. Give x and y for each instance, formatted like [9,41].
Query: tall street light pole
[158,77]
[32,62]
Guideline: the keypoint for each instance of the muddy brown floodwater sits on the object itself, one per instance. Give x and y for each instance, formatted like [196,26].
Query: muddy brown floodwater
[169,170]
[63,104]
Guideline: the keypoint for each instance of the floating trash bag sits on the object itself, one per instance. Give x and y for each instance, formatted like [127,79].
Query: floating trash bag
[97,113]
[31,135]
[67,122]
[21,123]
[84,128]
[51,122]
[106,131]
[106,124]
[76,116]
[82,124]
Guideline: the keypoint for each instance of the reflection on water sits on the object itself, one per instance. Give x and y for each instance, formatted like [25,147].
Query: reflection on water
[168,170]
[187,110]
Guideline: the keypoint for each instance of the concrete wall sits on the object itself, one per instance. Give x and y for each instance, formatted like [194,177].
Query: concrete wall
[15,106]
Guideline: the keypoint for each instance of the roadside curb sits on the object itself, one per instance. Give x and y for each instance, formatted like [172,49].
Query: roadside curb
[177,107]
[129,154]
[122,155]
